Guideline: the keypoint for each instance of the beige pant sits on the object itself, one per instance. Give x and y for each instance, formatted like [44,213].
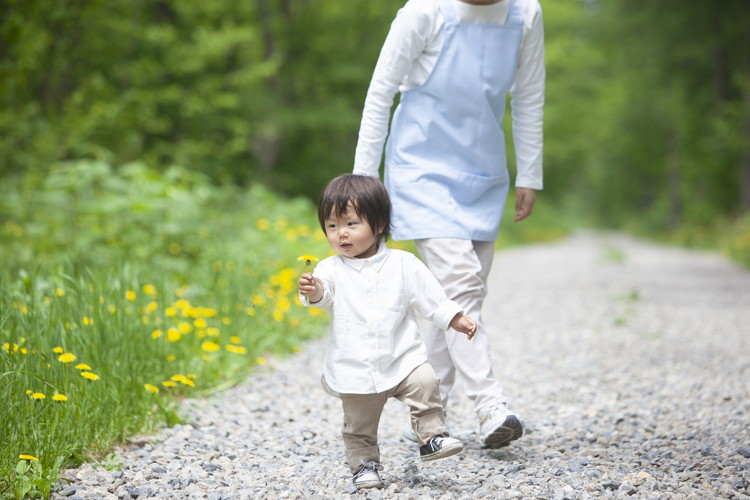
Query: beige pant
[419,390]
[462,267]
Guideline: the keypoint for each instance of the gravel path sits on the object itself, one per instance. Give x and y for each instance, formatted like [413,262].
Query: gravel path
[629,363]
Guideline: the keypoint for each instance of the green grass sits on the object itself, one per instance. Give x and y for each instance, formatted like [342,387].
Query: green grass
[156,286]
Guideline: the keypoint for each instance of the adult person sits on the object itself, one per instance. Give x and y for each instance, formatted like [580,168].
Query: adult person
[454,62]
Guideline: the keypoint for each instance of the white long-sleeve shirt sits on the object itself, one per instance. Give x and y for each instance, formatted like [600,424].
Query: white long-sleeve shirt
[408,57]
[374,338]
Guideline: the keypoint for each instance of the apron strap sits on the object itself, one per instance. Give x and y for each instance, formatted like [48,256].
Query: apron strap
[515,13]
[449,13]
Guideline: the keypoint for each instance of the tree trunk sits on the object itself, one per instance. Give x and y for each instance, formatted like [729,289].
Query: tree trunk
[745,166]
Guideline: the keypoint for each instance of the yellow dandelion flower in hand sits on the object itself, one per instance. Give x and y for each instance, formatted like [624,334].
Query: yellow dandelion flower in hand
[308,260]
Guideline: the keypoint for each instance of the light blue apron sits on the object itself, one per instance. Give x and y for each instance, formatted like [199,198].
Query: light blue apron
[445,159]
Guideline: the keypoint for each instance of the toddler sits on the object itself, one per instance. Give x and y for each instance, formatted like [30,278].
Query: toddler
[373,295]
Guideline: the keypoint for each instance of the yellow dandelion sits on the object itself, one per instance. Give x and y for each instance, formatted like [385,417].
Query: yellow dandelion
[57,350]
[171,358]
[59,292]
[237,349]
[59,397]
[28,391]
[173,335]
[170,312]
[212,331]
[183,380]
[149,290]
[112,309]
[168,383]
[262,224]
[308,260]
[209,346]
[88,321]
[83,366]
[182,304]
[28,457]
[90,376]
[151,388]
[185,327]
[37,395]
[258,300]
[156,334]
[200,323]
[234,339]
[151,307]
[130,295]
[261,360]
[66,358]
[250,311]
[208,312]
[24,309]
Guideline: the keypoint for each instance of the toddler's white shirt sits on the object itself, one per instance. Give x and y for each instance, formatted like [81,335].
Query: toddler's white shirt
[374,338]
[409,55]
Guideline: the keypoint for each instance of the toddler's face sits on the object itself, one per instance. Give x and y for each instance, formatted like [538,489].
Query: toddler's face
[350,235]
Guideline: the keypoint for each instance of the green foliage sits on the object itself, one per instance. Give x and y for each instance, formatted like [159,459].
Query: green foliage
[122,292]
[249,91]
[35,480]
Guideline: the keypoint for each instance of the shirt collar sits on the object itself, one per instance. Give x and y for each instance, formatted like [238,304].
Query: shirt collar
[376,261]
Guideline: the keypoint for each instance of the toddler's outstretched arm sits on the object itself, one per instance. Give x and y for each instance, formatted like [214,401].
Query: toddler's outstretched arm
[310,287]
[464,324]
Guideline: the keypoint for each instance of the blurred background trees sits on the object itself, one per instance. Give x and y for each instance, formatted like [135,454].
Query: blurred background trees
[647,116]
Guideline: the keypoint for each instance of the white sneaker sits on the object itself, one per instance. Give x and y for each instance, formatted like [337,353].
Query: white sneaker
[367,476]
[498,427]
[409,433]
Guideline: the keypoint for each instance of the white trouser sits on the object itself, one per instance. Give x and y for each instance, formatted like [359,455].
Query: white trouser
[462,267]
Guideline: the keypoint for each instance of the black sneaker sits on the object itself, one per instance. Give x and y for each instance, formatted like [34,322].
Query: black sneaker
[440,446]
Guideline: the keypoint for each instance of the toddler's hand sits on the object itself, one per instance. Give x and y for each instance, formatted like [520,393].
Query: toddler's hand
[465,325]
[307,285]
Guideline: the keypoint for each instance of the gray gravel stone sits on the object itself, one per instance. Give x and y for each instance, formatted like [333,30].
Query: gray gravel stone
[627,362]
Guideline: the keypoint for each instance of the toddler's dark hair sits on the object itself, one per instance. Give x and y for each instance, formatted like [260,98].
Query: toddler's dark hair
[368,197]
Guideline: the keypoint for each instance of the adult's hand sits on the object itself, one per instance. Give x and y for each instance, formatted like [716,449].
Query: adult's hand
[525,199]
